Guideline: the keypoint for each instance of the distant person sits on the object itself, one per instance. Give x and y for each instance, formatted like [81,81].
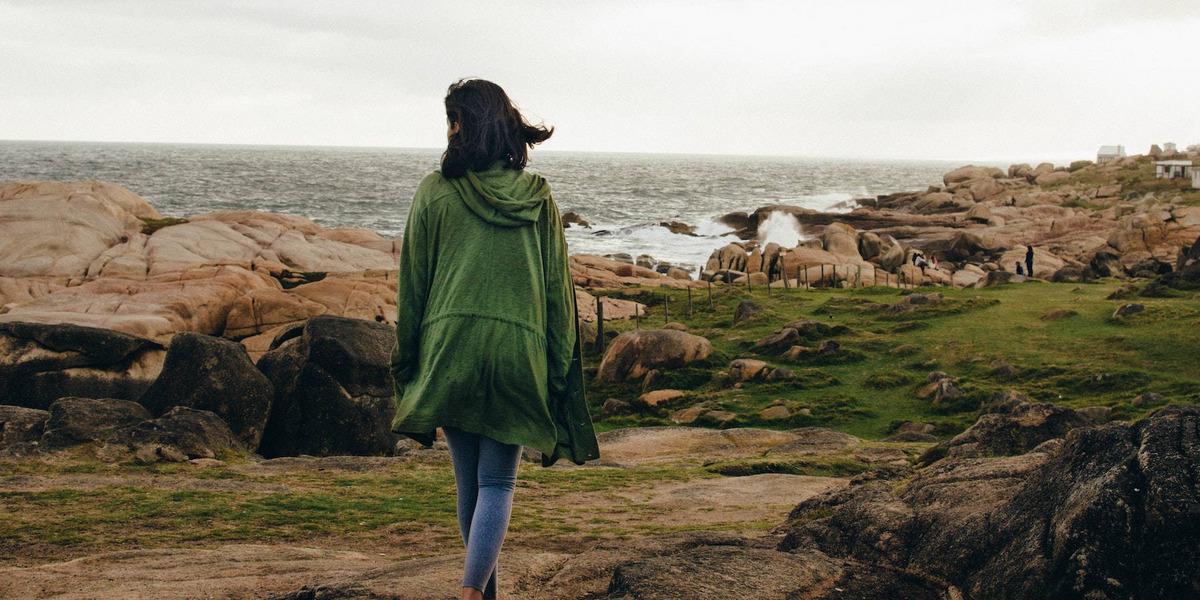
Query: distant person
[1020,269]
[486,341]
[1029,260]
[918,260]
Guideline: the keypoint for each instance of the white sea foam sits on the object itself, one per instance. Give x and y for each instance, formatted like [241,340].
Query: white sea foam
[780,228]
[689,252]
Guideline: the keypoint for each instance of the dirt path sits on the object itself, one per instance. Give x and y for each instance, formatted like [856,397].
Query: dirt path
[745,505]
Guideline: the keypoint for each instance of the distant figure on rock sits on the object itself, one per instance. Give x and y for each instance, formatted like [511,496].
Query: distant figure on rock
[919,261]
[486,340]
[1029,260]
[1020,269]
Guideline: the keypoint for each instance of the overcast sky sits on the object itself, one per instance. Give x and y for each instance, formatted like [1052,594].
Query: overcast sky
[958,80]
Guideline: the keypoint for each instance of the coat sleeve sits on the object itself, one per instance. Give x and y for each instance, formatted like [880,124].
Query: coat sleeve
[560,304]
[412,291]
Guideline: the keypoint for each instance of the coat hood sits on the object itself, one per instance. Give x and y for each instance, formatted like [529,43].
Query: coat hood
[503,197]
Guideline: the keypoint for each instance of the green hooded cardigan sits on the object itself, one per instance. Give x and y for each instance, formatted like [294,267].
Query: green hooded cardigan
[486,335]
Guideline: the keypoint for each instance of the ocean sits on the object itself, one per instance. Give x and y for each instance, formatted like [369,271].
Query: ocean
[622,196]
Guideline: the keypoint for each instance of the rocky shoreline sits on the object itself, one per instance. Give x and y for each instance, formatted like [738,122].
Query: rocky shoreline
[129,338]
[102,297]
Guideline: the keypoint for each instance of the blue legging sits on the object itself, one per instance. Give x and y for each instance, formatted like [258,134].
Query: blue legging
[486,473]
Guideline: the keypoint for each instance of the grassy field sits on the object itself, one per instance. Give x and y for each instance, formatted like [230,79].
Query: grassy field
[76,505]
[1083,357]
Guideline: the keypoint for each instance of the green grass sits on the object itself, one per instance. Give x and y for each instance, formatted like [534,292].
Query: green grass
[865,388]
[149,226]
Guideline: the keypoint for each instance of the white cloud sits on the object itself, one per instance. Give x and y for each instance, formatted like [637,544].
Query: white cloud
[924,79]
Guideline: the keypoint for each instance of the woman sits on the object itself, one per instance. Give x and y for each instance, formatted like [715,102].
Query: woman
[486,340]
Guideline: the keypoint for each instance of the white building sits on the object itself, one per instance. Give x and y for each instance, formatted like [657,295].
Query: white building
[1196,178]
[1170,169]
[1108,153]
[1169,147]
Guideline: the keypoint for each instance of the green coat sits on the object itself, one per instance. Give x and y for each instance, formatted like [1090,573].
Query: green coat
[486,336]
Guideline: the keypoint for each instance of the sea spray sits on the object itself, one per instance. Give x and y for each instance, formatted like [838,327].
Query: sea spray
[780,228]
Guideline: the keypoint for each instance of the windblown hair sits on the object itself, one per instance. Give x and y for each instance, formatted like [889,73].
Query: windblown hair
[490,128]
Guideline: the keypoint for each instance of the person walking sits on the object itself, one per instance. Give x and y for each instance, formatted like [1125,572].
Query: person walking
[487,344]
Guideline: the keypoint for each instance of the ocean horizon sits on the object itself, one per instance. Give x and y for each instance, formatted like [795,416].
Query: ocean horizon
[622,195]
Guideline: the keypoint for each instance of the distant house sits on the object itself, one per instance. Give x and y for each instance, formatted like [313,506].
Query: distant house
[1108,153]
[1170,169]
[1169,147]
[1196,178]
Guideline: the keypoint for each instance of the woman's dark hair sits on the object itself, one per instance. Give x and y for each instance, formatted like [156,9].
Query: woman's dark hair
[490,128]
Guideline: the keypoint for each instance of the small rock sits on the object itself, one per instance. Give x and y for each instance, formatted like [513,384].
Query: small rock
[745,369]
[1001,368]
[904,350]
[795,352]
[151,453]
[1126,310]
[718,418]
[781,374]
[782,338]
[1148,399]
[687,415]
[1058,313]
[914,427]
[571,218]
[828,346]
[675,326]
[1095,415]
[660,397]
[1125,290]
[613,406]
[774,413]
[746,310]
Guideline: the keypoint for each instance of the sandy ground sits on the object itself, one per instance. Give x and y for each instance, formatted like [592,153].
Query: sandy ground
[244,571]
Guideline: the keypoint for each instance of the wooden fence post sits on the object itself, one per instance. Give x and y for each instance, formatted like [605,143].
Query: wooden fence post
[600,322]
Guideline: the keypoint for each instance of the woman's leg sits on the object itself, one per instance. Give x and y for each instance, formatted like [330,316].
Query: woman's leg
[485,472]
[464,455]
[496,478]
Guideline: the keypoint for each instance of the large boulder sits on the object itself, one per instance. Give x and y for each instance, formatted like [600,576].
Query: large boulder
[870,246]
[333,390]
[124,429]
[634,353]
[730,256]
[180,433]
[21,429]
[213,374]
[75,421]
[197,299]
[1009,424]
[1109,512]
[841,240]
[970,172]
[42,363]
[58,229]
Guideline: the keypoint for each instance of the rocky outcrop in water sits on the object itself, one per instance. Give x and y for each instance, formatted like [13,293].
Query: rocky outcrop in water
[1084,222]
